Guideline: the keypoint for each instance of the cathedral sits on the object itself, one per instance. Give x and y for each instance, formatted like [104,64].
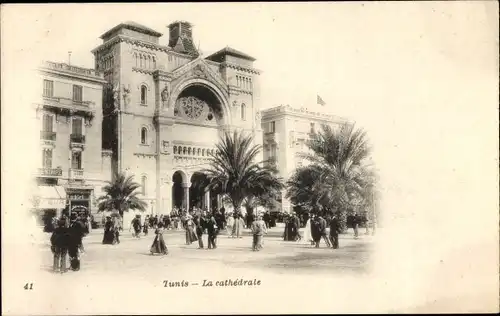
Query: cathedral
[165,106]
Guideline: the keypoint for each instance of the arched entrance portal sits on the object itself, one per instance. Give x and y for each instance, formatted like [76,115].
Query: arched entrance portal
[199,195]
[179,190]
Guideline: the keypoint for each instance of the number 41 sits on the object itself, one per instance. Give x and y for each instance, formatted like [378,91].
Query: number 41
[28,286]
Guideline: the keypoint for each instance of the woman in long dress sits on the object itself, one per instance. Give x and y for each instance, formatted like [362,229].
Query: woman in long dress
[159,245]
[109,232]
[230,224]
[190,234]
[307,233]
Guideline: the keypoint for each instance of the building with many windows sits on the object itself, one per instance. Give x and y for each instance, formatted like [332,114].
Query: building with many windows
[72,164]
[286,132]
[168,105]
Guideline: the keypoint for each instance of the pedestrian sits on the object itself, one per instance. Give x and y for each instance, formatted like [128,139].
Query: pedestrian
[315,230]
[212,231]
[59,246]
[159,245]
[322,229]
[190,233]
[200,222]
[258,230]
[109,237]
[76,231]
[307,232]
[116,229]
[145,227]
[355,225]
[334,232]
[229,225]
[136,225]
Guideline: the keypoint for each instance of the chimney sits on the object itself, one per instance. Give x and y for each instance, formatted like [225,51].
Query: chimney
[181,38]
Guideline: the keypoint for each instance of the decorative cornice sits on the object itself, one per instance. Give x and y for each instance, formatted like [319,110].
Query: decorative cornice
[191,143]
[284,110]
[139,43]
[162,75]
[240,67]
[144,155]
[238,90]
[72,72]
[144,71]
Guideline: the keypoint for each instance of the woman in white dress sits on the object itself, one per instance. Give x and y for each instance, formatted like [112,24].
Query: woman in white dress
[307,232]
[229,226]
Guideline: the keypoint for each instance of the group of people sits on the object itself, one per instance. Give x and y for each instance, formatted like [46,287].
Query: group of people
[67,239]
[316,229]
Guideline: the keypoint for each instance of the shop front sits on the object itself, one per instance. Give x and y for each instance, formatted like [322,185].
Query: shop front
[48,203]
[79,202]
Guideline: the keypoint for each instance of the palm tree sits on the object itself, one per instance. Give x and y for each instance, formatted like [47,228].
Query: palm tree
[234,171]
[338,174]
[121,195]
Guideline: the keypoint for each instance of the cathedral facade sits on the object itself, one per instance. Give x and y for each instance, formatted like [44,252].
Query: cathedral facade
[165,107]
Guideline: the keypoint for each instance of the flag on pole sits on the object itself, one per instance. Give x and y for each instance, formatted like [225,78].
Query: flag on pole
[319,100]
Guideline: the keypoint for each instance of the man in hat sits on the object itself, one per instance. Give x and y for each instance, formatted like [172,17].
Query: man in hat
[258,230]
[76,232]
[322,230]
[59,246]
[334,231]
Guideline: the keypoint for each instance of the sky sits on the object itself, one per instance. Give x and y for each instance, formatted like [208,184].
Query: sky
[420,77]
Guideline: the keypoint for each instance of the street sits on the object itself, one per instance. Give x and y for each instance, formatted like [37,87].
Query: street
[128,276]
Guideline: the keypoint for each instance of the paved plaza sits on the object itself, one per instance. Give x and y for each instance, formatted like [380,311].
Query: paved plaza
[132,255]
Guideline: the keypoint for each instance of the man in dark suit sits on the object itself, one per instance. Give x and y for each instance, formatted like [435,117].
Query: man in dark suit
[59,245]
[76,232]
[334,232]
[200,222]
[322,229]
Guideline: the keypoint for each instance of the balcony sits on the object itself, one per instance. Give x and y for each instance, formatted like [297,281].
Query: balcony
[45,135]
[77,138]
[76,174]
[49,172]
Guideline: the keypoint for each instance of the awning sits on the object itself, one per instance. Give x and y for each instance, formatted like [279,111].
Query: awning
[50,197]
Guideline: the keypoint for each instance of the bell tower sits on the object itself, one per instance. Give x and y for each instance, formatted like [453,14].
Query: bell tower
[181,38]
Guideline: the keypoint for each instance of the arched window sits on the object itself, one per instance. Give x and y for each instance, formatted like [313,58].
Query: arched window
[243,111]
[175,150]
[144,136]
[143,184]
[154,63]
[203,152]
[184,150]
[199,151]
[136,60]
[144,92]
[141,61]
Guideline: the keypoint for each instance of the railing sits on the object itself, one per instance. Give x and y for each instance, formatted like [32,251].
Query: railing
[81,103]
[78,70]
[50,172]
[76,173]
[46,135]
[77,138]
[67,101]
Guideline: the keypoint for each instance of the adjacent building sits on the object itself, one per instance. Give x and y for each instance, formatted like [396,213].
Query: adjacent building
[166,106]
[72,164]
[286,132]
[155,111]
